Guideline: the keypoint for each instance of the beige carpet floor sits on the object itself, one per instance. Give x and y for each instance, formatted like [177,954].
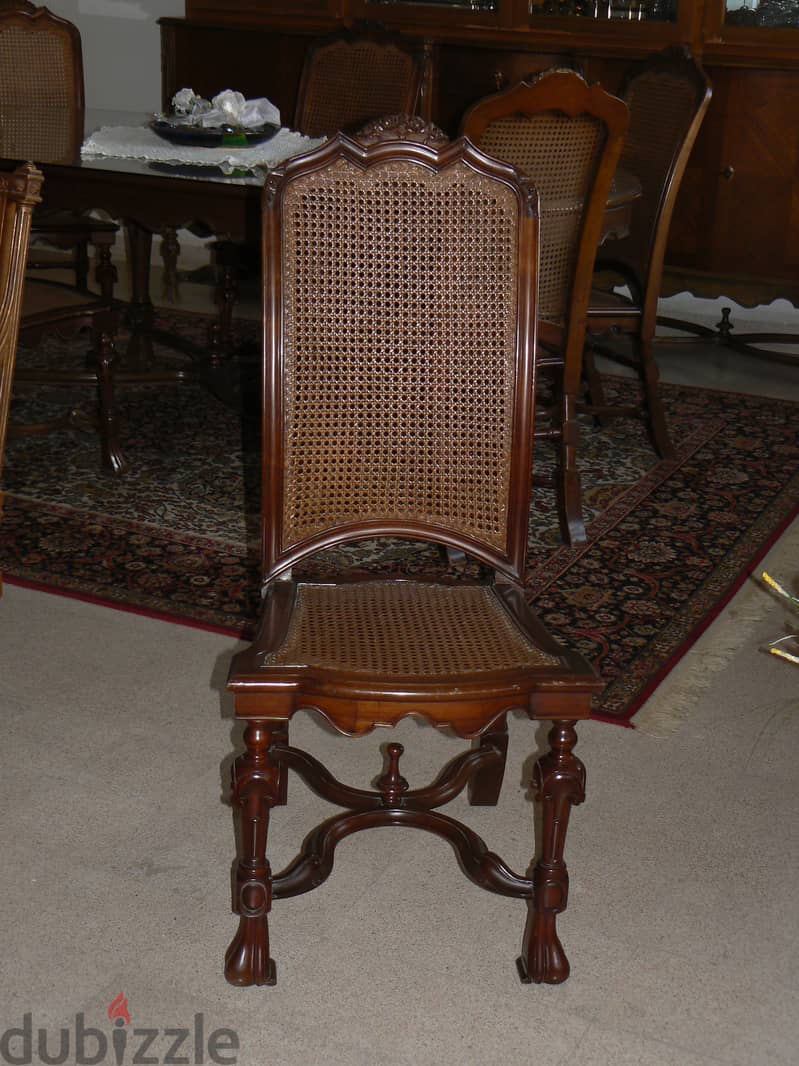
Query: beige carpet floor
[681,927]
[683,921]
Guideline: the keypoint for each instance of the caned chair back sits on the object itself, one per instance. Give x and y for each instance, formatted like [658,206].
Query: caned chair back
[41,86]
[567,136]
[349,79]
[668,96]
[399,304]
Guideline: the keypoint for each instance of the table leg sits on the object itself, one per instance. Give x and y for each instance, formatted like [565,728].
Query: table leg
[170,251]
[220,334]
[140,310]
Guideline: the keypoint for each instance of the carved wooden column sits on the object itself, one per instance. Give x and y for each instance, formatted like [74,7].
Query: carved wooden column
[559,780]
[255,790]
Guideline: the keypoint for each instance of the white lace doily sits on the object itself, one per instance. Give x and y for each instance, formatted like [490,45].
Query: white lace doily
[139,142]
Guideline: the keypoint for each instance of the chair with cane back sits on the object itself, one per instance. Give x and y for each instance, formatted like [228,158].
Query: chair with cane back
[567,137]
[399,376]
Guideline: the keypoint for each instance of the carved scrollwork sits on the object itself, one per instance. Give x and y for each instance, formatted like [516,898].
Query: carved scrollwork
[255,897]
[402,128]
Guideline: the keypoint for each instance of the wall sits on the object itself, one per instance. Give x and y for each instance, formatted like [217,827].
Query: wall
[121,49]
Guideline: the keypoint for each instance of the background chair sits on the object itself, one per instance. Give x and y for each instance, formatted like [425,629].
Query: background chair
[668,96]
[41,100]
[42,104]
[399,309]
[350,78]
[19,193]
[567,137]
[50,308]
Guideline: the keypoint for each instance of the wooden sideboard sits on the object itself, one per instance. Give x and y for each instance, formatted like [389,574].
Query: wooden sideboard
[737,218]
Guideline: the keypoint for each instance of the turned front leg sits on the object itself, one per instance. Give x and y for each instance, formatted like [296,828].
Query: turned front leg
[255,790]
[559,780]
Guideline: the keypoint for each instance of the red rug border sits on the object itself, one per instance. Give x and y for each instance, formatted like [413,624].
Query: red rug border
[705,624]
[158,616]
[658,472]
[626,722]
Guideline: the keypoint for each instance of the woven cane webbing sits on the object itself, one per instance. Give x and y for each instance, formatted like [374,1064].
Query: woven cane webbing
[352,83]
[404,628]
[560,154]
[662,107]
[36,95]
[399,329]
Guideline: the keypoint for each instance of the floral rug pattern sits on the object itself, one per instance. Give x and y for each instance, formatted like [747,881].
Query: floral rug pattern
[177,535]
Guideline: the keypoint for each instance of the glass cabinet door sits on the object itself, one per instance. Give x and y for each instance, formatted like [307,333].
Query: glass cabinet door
[602,10]
[772,14]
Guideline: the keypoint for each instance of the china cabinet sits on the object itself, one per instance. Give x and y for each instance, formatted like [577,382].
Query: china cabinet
[734,228]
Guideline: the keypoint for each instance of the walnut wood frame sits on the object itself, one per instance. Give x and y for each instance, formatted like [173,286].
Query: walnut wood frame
[475,707]
[277,557]
[566,92]
[638,319]
[19,194]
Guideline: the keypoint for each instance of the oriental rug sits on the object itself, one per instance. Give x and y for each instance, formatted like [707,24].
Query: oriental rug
[669,542]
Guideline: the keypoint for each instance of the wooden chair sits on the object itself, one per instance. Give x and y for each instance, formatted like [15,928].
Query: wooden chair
[668,96]
[353,77]
[41,100]
[19,194]
[42,104]
[567,136]
[51,308]
[400,359]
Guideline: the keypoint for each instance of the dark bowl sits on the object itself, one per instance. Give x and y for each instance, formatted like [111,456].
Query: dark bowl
[209,136]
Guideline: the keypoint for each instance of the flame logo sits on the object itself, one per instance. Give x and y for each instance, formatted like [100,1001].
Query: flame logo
[119,1009]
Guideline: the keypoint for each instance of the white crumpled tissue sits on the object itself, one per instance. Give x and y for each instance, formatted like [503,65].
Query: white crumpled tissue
[228,108]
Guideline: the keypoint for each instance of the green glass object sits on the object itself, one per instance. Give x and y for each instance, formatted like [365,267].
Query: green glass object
[235,138]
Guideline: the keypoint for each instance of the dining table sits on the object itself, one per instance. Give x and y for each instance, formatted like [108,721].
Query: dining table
[159,196]
[162,194]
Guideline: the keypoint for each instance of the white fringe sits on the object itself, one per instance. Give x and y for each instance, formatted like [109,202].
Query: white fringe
[675,699]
